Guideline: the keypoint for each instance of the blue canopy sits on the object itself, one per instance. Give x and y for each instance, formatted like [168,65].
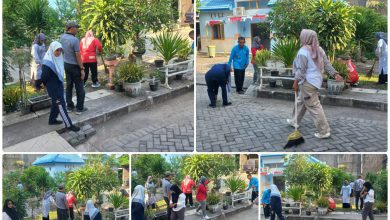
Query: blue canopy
[59,158]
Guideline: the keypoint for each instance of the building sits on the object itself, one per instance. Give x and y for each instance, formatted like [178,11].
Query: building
[55,163]
[249,163]
[221,22]
[14,162]
[356,164]
[272,170]
[186,11]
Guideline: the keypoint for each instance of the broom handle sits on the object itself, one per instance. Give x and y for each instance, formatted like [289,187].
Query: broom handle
[296,111]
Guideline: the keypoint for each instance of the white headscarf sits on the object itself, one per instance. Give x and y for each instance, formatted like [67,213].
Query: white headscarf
[275,191]
[91,210]
[58,62]
[87,40]
[139,195]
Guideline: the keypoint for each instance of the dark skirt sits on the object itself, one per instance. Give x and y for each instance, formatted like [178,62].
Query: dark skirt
[137,211]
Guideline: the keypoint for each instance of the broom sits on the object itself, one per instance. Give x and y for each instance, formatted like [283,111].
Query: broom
[369,74]
[295,138]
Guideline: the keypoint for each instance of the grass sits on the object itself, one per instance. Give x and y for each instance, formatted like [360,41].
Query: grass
[370,83]
[30,90]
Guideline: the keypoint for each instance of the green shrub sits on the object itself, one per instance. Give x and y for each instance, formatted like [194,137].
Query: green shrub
[213,198]
[381,206]
[322,202]
[262,56]
[285,50]
[235,184]
[295,193]
[169,45]
[11,98]
[130,72]
[341,68]
[117,200]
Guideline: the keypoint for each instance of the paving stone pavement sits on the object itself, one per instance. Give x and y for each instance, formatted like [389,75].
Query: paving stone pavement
[259,125]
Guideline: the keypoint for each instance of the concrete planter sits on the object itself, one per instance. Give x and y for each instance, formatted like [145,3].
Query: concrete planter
[335,87]
[133,89]
[40,102]
[214,208]
[322,211]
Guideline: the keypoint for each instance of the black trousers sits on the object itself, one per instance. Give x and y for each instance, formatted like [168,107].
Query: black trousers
[239,77]
[48,218]
[38,84]
[189,199]
[382,78]
[55,89]
[71,213]
[73,77]
[254,195]
[169,210]
[267,210]
[212,90]
[276,208]
[94,72]
[62,214]
[357,199]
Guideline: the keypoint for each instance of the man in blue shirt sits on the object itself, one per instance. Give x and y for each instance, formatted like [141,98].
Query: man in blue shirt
[254,185]
[265,201]
[240,58]
[218,76]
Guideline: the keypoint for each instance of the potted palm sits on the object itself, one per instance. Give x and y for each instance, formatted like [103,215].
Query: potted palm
[336,87]
[261,58]
[131,74]
[286,50]
[234,184]
[168,45]
[117,200]
[295,193]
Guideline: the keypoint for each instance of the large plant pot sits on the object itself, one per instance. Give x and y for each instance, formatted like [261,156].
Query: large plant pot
[212,51]
[322,211]
[39,102]
[228,193]
[133,89]
[159,63]
[225,207]
[138,56]
[335,87]
[214,208]
[308,213]
[295,211]
[111,70]
[179,76]
[274,73]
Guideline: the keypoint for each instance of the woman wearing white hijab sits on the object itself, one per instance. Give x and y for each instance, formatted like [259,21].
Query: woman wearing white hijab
[91,213]
[53,78]
[276,203]
[308,66]
[138,203]
[47,200]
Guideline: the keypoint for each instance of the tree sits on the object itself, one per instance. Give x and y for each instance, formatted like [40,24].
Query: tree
[334,22]
[67,9]
[379,183]
[338,178]
[212,166]
[295,171]
[14,34]
[36,180]
[150,165]
[35,15]
[289,23]
[319,178]
[109,20]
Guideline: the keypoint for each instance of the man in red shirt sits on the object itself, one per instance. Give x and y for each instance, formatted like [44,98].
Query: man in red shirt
[88,47]
[71,198]
[186,187]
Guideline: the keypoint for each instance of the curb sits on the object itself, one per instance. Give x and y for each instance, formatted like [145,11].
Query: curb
[128,108]
[328,100]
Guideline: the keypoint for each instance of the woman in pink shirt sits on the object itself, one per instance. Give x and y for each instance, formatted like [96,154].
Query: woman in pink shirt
[88,46]
[186,187]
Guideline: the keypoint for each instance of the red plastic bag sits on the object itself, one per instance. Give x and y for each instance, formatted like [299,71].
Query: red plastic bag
[353,76]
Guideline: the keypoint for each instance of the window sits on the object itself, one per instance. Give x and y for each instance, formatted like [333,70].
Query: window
[218,31]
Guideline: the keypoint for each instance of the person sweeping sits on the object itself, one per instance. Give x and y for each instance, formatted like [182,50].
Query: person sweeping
[308,66]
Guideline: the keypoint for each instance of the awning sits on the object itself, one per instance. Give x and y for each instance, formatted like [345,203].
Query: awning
[236,18]
[213,22]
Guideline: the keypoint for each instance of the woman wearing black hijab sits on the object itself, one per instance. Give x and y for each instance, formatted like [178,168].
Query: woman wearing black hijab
[177,203]
[9,211]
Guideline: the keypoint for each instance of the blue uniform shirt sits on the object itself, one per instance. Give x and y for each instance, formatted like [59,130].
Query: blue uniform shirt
[266,197]
[240,57]
[255,183]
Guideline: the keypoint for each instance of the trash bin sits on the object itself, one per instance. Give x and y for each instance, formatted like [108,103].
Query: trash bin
[211,50]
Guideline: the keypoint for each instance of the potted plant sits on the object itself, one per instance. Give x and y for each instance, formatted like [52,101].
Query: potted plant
[235,184]
[213,200]
[336,87]
[261,58]
[225,205]
[117,200]
[131,74]
[139,49]
[182,56]
[295,193]
[154,80]
[168,45]
[11,97]
[118,83]
[286,50]
[322,204]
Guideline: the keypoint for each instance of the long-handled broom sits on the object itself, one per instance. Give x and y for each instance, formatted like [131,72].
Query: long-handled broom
[295,138]
[369,74]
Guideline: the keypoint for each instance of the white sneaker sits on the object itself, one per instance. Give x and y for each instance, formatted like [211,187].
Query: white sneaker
[198,213]
[322,136]
[96,85]
[291,123]
[206,217]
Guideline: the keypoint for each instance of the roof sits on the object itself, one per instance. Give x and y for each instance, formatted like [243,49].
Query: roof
[216,5]
[59,158]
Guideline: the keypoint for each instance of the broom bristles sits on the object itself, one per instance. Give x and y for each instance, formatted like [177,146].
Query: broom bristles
[294,139]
